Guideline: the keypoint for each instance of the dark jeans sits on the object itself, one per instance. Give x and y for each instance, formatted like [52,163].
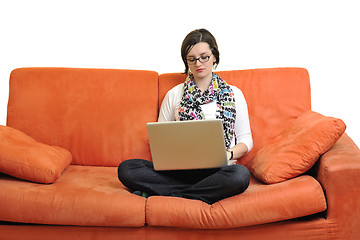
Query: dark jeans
[208,185]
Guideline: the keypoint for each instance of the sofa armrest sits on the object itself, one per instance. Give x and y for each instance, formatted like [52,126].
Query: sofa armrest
[338,172]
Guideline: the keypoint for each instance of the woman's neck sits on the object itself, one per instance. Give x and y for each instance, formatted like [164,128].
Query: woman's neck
[203,83]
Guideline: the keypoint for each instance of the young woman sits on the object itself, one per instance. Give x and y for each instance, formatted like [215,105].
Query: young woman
[203,95]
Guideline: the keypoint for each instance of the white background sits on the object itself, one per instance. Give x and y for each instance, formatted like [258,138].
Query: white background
[322,36]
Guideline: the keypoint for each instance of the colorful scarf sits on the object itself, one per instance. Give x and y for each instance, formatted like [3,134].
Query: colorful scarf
[219,91]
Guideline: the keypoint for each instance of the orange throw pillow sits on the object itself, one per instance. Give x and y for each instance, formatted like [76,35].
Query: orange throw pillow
[23,157]
[297,149]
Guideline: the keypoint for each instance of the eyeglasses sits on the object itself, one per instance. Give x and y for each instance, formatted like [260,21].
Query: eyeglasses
[202,59]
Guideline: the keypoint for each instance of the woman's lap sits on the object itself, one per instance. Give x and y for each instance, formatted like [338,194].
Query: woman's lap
[208,185]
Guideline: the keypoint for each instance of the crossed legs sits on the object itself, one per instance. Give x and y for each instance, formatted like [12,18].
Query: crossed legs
[208,185]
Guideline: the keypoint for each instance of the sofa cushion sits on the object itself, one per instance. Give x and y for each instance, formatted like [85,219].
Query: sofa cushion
[99,115]
[83,195]
[297,149]
[259,204]
[23,157]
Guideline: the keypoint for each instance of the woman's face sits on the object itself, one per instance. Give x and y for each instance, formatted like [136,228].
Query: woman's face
[202,52]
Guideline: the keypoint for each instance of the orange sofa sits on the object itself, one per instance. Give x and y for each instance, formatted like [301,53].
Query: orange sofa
[96,118]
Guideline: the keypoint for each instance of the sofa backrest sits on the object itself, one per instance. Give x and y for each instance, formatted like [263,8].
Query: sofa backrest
[99,115]
[274,96]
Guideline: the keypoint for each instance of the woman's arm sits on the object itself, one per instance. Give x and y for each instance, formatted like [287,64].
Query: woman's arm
[238,150]
[168,105]
[242,126]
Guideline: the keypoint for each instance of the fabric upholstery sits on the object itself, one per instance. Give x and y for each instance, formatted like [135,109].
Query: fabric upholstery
[296,149]
[99,115]
[259,204]
[285,230]
[339,174]
[23,157]
[83,196]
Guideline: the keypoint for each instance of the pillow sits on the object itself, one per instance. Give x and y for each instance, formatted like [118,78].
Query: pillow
[23,157]
[297,148]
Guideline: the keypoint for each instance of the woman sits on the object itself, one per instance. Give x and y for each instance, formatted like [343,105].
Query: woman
[203,95]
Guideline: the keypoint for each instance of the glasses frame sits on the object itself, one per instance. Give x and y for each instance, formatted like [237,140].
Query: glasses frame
[200,59]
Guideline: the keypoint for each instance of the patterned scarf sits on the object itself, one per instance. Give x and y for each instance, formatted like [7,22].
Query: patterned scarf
[219,91]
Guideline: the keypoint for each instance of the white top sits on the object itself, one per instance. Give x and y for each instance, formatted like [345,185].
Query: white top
[169,106]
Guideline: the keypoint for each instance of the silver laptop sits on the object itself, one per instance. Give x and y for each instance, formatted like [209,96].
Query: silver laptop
[179,145]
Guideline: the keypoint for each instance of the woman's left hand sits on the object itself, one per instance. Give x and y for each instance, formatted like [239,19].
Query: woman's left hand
[232,161]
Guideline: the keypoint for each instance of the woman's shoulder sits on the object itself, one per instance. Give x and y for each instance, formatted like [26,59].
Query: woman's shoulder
[175,91]
[169,103]
[178,88]
[236,90]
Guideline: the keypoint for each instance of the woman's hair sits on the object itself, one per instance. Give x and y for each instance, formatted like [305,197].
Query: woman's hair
[194,37]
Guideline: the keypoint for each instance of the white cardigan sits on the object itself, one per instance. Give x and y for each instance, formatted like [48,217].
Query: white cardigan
[169,106]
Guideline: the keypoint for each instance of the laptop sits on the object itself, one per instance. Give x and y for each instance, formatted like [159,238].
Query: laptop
[180,145]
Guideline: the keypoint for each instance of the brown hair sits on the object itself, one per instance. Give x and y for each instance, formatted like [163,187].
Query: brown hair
[194,37]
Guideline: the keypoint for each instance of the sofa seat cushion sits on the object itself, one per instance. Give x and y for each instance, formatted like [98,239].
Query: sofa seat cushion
[83,195]
[259,204]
